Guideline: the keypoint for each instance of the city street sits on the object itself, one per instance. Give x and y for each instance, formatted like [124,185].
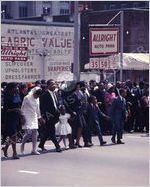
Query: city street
[123,165]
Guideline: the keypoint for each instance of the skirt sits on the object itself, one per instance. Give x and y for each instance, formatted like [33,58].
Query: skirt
[62,129]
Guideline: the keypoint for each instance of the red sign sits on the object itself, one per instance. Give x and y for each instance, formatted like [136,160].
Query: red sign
[104,41]
[11,53]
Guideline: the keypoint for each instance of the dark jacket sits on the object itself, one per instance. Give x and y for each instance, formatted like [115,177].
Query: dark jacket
[93,114]
[118,111]
[48,110]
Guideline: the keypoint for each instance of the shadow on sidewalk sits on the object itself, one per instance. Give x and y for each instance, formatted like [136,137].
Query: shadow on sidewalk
[29,154]
[105,145]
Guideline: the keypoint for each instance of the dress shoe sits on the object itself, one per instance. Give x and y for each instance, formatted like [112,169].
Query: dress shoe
[78,145]
[35,153]
[91,144]
[58,150]
[5,152]
[102,143]
[120,142]
[16,157]
[72,146]
[113,140]
[43,148]
[67,147]
[87,145]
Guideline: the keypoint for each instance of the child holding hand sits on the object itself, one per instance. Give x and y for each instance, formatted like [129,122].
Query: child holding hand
[63,128]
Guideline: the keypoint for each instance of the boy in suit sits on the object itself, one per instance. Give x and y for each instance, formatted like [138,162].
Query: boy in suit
[93,115]
[118,116]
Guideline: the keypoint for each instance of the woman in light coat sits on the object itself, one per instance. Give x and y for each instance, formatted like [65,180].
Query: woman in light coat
[31,111]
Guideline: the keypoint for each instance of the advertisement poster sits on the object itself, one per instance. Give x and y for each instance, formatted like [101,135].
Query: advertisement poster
[104,41]
[35,52]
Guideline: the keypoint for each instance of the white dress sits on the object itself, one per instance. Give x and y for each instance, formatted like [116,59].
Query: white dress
[31,111]
[63,127]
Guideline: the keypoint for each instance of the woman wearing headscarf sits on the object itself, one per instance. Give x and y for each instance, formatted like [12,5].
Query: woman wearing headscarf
[12,104]
[31,111]
[109,97]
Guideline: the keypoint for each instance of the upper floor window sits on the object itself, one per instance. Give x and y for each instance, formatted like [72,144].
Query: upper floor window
[112,6]
[64,2]
[64,11]
[23,11]
[124,5]
[136,4]
[46,10]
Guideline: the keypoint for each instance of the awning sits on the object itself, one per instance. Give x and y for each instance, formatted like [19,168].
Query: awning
[136,61]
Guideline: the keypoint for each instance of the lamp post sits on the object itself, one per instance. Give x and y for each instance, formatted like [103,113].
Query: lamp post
[121,43]
[43,54]
[76,68]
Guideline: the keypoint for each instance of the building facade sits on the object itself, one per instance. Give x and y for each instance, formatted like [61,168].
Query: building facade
[23,9]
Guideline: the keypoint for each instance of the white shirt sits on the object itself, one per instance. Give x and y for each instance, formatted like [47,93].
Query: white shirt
[87,92]
[122,99]
[54,99]
[31,110]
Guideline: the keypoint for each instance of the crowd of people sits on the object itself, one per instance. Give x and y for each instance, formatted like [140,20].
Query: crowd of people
[54,111]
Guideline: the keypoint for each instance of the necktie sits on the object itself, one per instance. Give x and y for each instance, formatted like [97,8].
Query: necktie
[55,98]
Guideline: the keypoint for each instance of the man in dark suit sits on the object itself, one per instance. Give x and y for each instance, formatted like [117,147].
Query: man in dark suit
[93,115]
[117,87]
[49,111]
[138,95]
[100,95]
[118,116]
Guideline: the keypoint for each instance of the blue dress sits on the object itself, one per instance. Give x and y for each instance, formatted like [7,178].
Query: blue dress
[12,119]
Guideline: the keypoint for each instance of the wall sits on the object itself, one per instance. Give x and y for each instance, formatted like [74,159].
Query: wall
[50,52]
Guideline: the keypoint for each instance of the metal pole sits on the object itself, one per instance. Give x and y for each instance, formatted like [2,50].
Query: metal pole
[76,70]
[121,44]
[43,61]
[114,76]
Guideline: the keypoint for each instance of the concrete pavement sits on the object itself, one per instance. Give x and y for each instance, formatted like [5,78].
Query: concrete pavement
[111,165]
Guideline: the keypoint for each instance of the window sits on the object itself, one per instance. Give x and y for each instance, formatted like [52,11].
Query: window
[4,11]
[64,2]
[136,4]
[147,4]
[105,7]
[112,6]
[124,6]
[23,11]
[64,11]
[46,10]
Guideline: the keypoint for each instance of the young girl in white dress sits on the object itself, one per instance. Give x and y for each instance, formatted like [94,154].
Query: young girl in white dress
[62,127]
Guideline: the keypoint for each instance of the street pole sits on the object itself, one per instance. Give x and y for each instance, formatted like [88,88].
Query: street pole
[76,69]
[114,76]
[43,55]
[43,59]
[121,43]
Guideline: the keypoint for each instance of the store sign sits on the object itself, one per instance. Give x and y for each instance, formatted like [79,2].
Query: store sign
[111,62]
[11,53]
[27,49]
[104,41]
